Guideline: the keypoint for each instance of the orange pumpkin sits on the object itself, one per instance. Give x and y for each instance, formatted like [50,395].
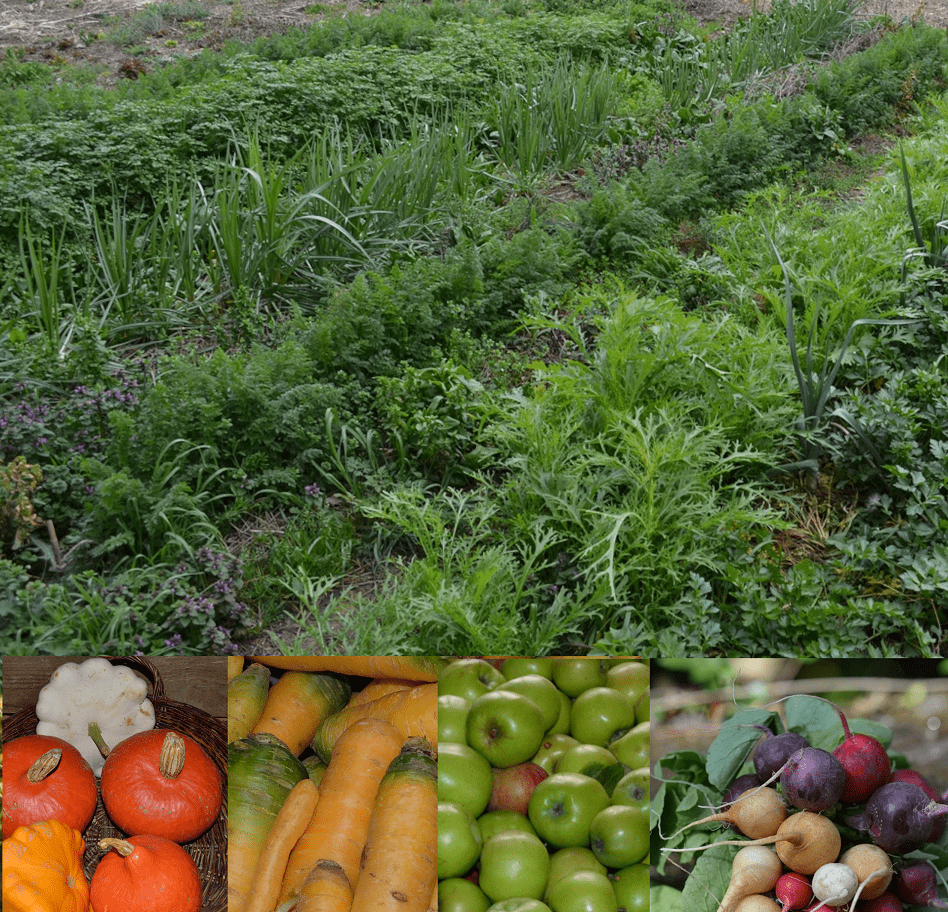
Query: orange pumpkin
[46,778]
[147,874]
[42,869]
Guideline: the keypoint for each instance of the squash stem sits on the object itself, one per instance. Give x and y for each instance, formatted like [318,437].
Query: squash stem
[95,733]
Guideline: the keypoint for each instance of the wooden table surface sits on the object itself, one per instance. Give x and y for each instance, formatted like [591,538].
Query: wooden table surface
[198,680]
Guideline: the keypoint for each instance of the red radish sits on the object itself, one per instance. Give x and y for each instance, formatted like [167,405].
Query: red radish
[915,885]
[887,902]
[794,891]
[865,762]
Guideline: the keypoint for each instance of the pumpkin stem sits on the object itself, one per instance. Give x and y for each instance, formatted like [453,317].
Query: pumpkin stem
[122,846]
[44,765]
[171,758]
[95,733]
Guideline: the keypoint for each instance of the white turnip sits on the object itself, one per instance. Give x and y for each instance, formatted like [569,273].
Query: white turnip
[835,884]
[756,869]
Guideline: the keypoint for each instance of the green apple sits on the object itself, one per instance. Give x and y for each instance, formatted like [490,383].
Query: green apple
[633,789]
[631,886]
[567,861]
[542,691]
[452,719]
[599,713]
[526,665]
[519,905]
[464,778]
[505,727]
[642,707]
[459,895]
[619,835]
[552,748]
[633,747]
[494,822]
[459,840]
[588,759]
[573,675]
[631,678]
[561,725]
[469,678]
[583,891]
[514,864]
[563,806]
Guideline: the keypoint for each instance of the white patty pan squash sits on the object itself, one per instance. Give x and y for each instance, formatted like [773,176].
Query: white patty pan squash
[112,696]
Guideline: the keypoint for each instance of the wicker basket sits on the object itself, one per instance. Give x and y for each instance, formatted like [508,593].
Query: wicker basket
[209,851]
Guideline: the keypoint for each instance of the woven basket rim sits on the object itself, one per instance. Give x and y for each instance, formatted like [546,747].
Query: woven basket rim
[210,849]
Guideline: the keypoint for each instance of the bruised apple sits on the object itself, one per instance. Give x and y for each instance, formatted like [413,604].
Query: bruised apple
[513,787]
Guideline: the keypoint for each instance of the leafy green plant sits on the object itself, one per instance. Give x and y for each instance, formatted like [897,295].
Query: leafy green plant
[932,241]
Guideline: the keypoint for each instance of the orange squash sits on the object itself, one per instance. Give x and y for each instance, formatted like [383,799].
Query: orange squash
[161,783]
[42,869]
[46,778]
[146,874]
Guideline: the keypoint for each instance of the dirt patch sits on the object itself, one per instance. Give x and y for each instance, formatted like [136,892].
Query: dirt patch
[124,38]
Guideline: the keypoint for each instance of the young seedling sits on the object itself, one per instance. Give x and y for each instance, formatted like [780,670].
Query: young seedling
[916,885]
[899,817]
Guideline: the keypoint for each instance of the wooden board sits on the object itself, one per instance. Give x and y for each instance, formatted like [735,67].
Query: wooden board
[198,680]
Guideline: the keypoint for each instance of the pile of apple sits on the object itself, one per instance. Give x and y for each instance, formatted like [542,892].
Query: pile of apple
[543,768]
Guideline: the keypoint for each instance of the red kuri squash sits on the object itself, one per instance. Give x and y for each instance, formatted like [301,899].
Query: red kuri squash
[46,778]
[161,783]
[145,874]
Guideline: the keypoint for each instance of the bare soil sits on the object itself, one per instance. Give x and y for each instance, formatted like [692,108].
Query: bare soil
[85,31]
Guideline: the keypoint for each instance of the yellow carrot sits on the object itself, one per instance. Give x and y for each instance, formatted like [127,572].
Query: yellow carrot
[414,668]
[414,712]
[338,829]
[400,861]
[235,665]
[297,703]
[289,825]
[379,687]
[326,889]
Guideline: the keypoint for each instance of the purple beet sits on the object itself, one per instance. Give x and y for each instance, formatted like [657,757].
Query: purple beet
[813,779]
[899,817]
[865,762]
[884,902]
[774,750]
[915,885]
[909,775]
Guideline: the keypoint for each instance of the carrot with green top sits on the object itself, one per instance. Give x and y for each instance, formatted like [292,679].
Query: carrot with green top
[414,712]
[298,703]
[400,861]
[340,825]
